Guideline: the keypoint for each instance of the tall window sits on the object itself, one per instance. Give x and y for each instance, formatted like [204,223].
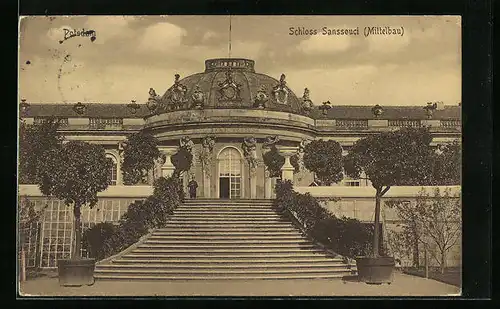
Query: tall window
[106,123]
[230,173]
[56,234]
[113,172]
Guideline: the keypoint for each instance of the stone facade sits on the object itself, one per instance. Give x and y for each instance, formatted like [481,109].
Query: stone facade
[236,107]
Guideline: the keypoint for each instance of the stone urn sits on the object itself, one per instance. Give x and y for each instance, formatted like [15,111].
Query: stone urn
[375,270]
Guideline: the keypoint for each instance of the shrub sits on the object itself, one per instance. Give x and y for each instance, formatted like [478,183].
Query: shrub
[273,161]
[94,239]
[140,218]
[140,151]
[345,236]
[182,160]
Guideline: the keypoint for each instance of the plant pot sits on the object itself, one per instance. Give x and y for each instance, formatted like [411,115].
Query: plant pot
[375,270]
[76,272]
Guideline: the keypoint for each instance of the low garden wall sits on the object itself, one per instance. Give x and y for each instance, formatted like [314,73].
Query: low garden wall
[359,203]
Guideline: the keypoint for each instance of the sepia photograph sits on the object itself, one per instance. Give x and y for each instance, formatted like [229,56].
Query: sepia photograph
[234,155]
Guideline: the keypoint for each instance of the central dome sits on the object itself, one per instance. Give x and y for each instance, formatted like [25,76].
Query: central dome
[229,83]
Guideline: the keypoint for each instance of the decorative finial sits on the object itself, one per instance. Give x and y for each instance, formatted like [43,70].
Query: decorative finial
[152,94]
[325,107]
[377,110]
[24,106]
[430,108]
[229,36]
[198,97]
[280,93]
[133,106]
[306,95]
[282,79]
[261,97]
[306,102]
[79,108]
[177,76]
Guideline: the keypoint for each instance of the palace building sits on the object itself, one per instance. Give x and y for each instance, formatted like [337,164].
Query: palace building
[228,115]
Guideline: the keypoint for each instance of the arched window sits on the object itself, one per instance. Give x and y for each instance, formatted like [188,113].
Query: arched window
[114,171]
[229,173]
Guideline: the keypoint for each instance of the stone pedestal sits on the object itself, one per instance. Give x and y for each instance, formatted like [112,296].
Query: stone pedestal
[287,168]
[168,168]
[268,185]
[206,185]
[253,183]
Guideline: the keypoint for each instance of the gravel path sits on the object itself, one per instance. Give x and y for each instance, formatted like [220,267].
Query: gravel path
[403,285]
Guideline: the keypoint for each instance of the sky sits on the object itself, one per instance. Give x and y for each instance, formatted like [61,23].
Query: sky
[134,53]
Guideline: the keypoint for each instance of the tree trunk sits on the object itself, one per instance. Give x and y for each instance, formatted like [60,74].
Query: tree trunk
[377,223]
[78,232]
[23,264]
[443,262]
[416,252]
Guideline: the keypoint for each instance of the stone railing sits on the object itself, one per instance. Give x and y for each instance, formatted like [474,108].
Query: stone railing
[451,123]
[404,123]
[63,122]
[106,123]
[352,123]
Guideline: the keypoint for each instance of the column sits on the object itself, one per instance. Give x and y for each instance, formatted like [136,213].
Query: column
[206,180]
[287,168]
[253,183]
[268,186]
[168,168]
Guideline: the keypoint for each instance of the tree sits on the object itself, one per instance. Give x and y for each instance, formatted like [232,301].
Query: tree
[447,164]
[29,219]
[75,173]
[408,239]
[324,158]
[182,160]
[34,141]
[273,161]
[140,152]
[439,218]
[388,159]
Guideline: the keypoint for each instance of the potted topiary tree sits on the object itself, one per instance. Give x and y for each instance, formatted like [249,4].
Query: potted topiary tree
[75,173]
[324,158]
[139,154]
[388,159]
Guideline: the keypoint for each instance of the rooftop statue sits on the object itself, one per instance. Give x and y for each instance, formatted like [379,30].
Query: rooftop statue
[280,92]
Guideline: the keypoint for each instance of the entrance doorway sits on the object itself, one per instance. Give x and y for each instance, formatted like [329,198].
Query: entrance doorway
[230,173]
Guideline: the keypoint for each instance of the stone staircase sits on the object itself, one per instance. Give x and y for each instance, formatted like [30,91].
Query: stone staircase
[224,239]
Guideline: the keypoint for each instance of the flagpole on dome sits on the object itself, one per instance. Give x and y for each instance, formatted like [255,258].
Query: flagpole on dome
[229,36]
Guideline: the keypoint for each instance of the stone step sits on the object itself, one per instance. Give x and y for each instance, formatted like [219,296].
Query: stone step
[226,219]
[209,246]
[230,251]
[240,209]
[226,233]
[229,227]
[227,238]
[226,214]
[274,266]
[226,210]
[226,242]
[227,272]
[162,269]
[227,201]
[227,206]
[228,224]
[150,254]
[209,261]
[128,277]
